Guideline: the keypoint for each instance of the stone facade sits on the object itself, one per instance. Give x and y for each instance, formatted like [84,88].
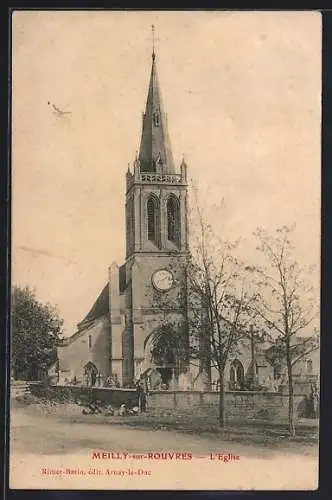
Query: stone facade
[239,367]
[156,240]
[115,338]
[87,347]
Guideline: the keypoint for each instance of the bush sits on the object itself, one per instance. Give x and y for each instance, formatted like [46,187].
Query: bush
[49,393]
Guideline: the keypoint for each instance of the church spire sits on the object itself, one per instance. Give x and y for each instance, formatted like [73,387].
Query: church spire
[155,153]
[153,52]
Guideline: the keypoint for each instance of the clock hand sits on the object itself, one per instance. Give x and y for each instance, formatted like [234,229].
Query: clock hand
[166,279]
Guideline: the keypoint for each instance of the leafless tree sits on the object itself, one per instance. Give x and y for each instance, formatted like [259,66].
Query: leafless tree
[221,299]
[287,303]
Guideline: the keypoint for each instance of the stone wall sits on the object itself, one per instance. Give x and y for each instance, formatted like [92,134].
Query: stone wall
[115,397]
[241,405]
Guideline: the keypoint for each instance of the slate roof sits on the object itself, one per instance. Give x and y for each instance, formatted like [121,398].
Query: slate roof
[101,305]
[155,153]
[99,308]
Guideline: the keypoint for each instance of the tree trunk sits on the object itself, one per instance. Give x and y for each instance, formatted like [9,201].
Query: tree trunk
[221,401]
[290,392]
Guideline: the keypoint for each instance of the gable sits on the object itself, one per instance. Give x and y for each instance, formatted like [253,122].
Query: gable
[99,308]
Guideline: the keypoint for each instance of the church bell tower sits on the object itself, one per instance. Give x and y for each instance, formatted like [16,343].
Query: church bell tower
[156,193]
[156,235]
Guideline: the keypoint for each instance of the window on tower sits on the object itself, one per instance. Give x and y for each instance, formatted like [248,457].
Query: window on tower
[156,119]
[153,219]
[130,224]
[173,220]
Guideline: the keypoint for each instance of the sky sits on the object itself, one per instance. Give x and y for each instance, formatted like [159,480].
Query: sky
[242,91]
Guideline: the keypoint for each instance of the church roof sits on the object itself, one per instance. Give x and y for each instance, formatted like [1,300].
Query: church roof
[155,153]
[102,304]
[99,308]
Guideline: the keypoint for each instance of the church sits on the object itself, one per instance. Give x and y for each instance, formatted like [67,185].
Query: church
[115,336]
[148,293]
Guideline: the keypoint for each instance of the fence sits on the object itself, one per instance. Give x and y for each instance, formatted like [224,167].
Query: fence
[19,389]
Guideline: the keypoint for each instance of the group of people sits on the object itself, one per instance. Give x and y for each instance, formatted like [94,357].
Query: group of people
[97,379]
[267,384]
[273,384]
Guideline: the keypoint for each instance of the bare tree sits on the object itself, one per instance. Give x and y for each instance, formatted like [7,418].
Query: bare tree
[221,300]
[287,303]
[214,300]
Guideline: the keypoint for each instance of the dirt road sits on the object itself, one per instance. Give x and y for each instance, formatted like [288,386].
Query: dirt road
[63,455]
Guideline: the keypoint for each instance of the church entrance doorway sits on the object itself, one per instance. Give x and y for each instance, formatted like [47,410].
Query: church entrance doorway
[166,374]
[162,350]
[90,374]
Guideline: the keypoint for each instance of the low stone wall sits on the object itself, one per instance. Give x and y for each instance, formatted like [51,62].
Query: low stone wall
[239,405]
[115,397]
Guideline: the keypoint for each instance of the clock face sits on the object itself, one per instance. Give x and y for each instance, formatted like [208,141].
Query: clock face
[162,280]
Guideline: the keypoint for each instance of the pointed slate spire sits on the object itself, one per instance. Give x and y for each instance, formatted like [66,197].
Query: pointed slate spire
[155,153]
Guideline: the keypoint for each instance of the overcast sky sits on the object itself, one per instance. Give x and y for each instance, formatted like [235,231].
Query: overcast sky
[242,92]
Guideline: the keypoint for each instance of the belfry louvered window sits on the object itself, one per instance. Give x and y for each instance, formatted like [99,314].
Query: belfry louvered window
[153,219]
[173,220]
[130,224]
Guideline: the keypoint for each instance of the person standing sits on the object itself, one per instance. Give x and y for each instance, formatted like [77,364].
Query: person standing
[141,389]
[315,400]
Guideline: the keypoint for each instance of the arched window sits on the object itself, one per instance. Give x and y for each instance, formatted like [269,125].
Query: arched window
[236,375]
[130,224]
[153,220]
[173,220]
[232,376]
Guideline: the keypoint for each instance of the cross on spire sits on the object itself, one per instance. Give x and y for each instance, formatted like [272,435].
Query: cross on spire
[155,148]
[153,52]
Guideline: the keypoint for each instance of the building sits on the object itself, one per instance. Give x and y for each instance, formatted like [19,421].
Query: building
[147,297]
[149,288]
